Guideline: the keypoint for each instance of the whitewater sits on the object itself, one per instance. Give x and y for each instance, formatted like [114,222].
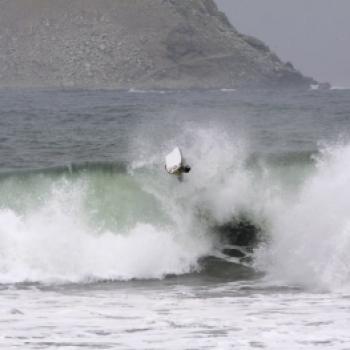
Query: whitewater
[101,248]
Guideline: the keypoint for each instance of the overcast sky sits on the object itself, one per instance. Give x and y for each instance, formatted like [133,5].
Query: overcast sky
[313,34]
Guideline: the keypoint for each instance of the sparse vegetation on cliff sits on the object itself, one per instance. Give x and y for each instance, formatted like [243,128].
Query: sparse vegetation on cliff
[132,43]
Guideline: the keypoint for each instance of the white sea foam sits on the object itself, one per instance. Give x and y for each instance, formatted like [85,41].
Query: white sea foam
[56,242]
[172,317]
[310,235]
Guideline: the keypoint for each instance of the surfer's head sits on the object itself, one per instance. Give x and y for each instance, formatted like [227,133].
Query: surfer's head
[186,169]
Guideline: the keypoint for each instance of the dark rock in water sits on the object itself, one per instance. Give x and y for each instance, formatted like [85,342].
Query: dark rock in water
[125,44]
[233,253]
[222,269]
[246,260]
[239,232]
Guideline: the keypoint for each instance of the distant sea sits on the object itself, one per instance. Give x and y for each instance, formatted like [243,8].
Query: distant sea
[100,248]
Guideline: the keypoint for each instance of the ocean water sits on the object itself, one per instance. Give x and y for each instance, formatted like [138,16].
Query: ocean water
[101,249]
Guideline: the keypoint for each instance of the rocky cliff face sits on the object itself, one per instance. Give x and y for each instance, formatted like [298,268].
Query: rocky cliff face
[132,43]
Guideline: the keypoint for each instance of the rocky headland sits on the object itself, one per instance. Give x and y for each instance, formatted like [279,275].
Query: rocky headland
[122,44]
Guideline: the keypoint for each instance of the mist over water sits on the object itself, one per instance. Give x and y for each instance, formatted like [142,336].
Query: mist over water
[87,207]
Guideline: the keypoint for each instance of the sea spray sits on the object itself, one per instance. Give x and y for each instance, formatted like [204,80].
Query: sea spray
[56,240]
[310,234]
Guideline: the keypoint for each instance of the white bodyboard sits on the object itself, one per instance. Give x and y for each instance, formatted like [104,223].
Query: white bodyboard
[173,161]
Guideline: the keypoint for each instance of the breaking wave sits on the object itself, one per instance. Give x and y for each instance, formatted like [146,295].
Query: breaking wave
[133,221]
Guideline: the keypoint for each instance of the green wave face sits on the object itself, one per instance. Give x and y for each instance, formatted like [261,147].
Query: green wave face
[106,200]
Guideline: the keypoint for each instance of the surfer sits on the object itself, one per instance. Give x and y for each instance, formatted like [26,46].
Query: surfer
[175,164]
[184,169]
